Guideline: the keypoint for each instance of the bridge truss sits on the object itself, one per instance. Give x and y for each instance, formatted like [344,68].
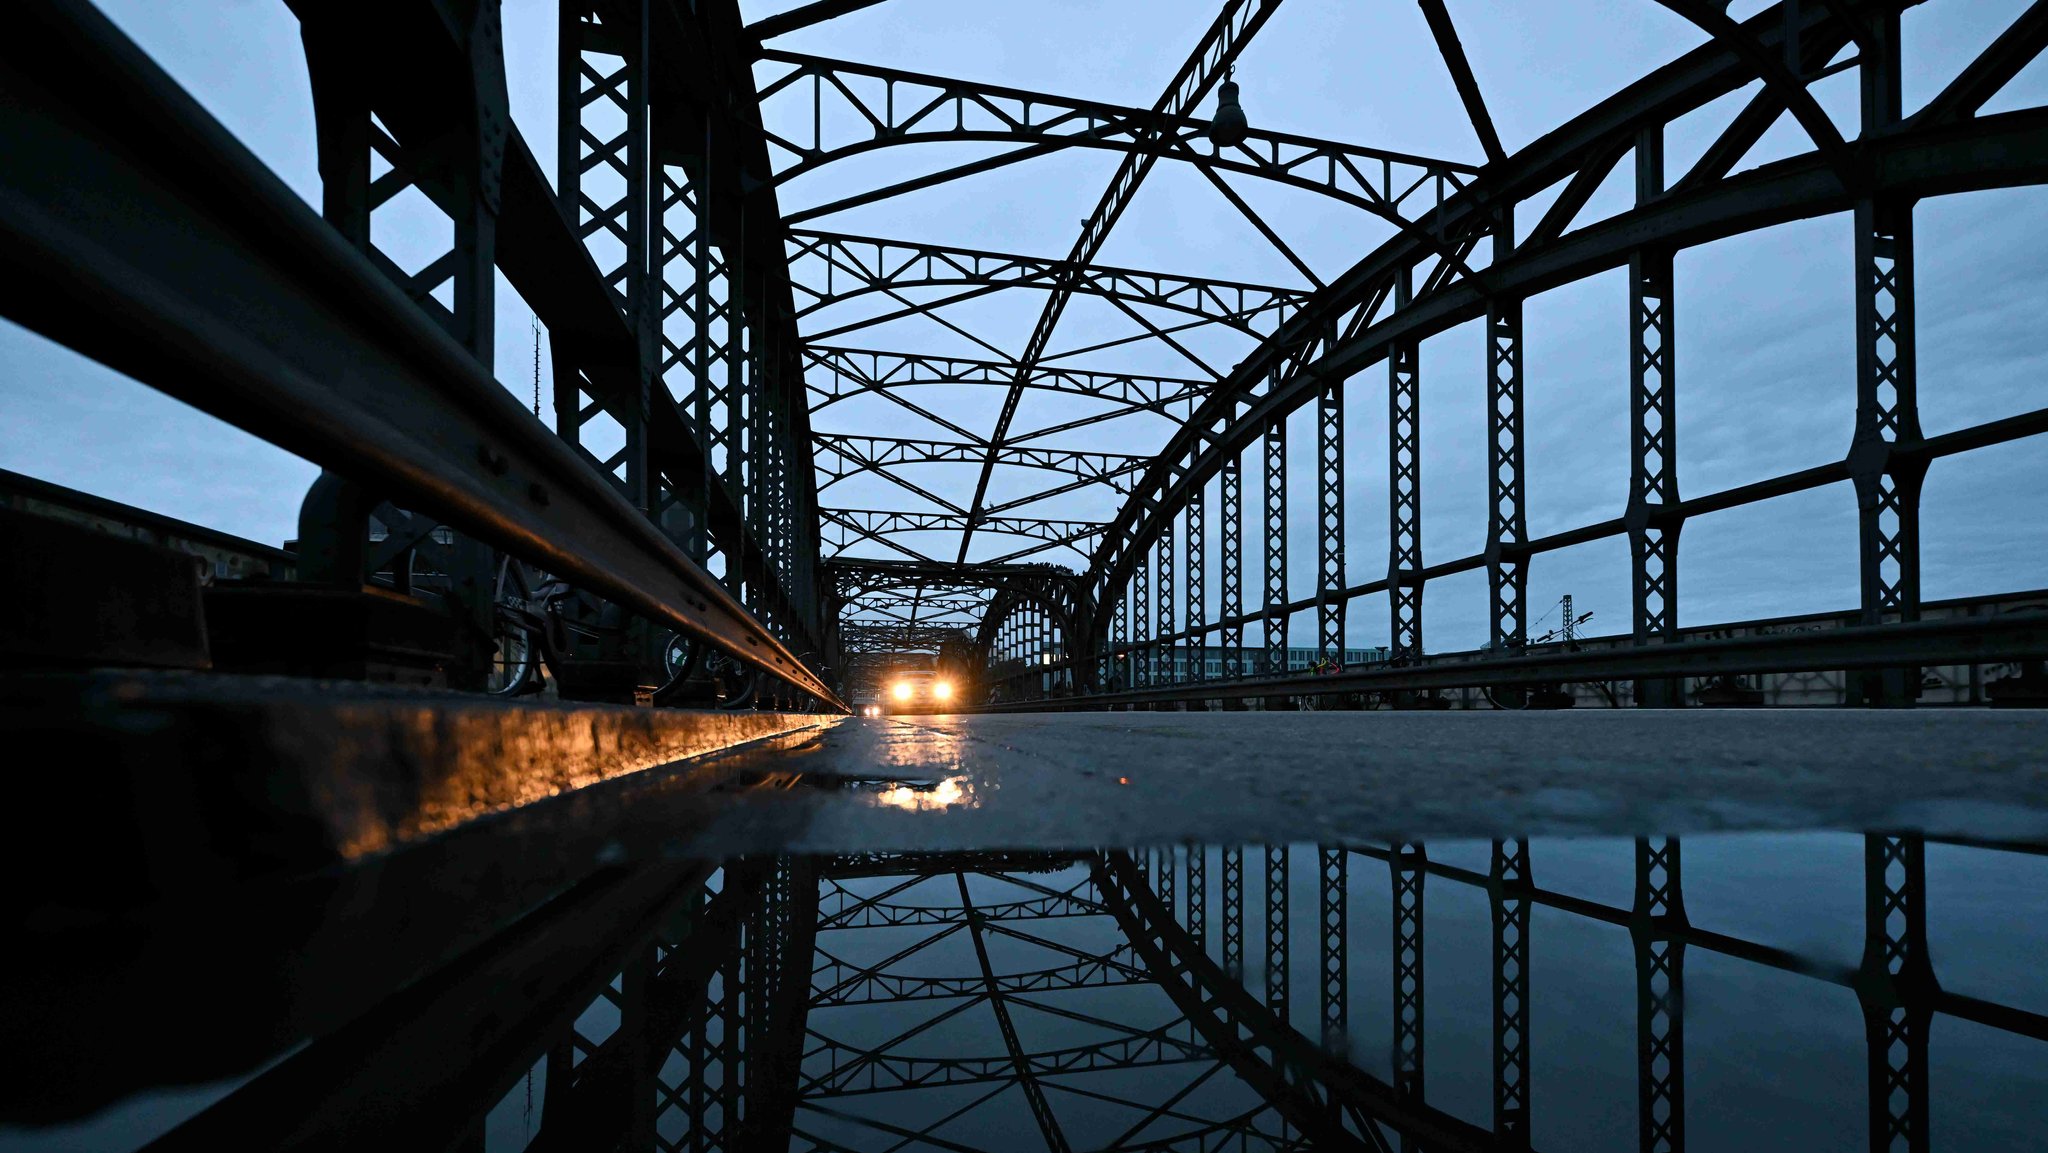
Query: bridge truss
[1147,999]
[679,492]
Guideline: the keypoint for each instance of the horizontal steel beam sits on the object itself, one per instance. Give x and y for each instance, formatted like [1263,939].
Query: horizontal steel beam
[847,1071]
[865,572]
[1968,641]
[889,520]
[816,12]
[883,451]
[858,640]
[896,600]
[870,987]
[145,236]
[858,370]
[909,107]
[850,266]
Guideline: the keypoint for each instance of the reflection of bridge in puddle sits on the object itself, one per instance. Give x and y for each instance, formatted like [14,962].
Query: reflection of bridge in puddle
[1261,998]
[929,751]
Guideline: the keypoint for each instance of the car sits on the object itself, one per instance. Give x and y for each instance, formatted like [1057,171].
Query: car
[917,691]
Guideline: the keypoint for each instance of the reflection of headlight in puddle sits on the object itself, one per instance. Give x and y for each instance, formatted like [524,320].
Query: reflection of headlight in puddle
[943,795]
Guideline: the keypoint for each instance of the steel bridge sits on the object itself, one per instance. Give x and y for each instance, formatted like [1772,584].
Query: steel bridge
[674,513]
[496,621]
[733,1007]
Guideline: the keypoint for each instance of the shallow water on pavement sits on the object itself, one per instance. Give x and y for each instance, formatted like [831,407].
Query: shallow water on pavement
[1724,991]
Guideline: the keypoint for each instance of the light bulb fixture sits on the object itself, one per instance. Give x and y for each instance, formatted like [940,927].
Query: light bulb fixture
[1229,127]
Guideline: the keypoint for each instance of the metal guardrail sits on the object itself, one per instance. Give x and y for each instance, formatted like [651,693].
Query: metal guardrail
[140,233]
[1979,640]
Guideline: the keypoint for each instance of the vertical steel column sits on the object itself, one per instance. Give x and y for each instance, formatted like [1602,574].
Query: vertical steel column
[569,101]
[1409,864]
[781,994]
[1045,653]
[1231,607]
[1275,525]
[1508,887]
[1115,676]
[693,1088]
[1334,870]
[1162,881]
[640,283]
[1657,925]
[688,190]
[1652,517]
[347,92]
[624,94]
[1507,567]
[729,1013]
[1233,910]
[1404,489]
[637,1047]
[1141,623]
[1896,987]
[700,1071]
[757,979]
[1276,930]
[1330,519]
[1164,655]
[1197,649]
[344,135]
[1198,895]
[759,437]
[739,399]
[344,82]
[1883,464]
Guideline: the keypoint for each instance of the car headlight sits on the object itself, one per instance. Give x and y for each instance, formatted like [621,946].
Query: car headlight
[942,690]
[901,690]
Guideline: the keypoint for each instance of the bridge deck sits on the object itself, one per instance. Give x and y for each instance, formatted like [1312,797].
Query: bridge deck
[243,776]
[1068,779]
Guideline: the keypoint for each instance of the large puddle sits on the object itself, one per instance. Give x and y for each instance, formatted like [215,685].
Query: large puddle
[1814,991]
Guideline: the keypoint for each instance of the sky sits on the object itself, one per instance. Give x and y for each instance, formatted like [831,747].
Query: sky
[1765,339]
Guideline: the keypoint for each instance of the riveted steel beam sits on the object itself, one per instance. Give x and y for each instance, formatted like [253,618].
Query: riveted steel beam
[828,268]
[253,309]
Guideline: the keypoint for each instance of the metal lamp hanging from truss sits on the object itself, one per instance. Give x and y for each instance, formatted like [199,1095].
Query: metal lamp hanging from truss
[1228,129]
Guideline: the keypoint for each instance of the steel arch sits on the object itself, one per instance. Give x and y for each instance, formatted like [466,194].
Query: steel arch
[1344,329]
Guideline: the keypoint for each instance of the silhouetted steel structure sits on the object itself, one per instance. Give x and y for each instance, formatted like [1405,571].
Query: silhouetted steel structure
[726,1016]
[682,486]
[668,527]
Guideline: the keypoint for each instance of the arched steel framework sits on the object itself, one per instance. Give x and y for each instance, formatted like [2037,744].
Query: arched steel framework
[686,318]
[1463,257]
[1399,295]
[722,1008]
